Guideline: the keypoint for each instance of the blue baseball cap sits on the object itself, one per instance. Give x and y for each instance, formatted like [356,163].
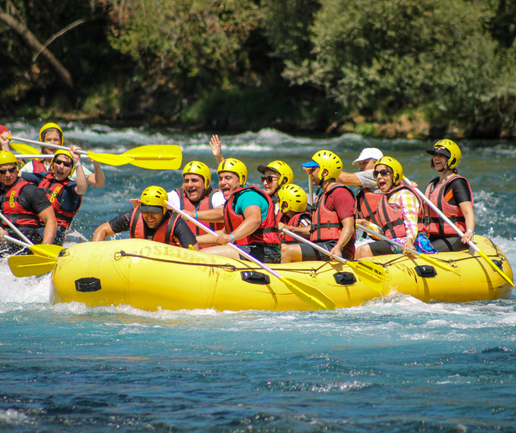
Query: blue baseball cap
[310,164]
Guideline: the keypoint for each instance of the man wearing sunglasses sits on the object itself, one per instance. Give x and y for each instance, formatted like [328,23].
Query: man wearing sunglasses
[24,204]
[64,194]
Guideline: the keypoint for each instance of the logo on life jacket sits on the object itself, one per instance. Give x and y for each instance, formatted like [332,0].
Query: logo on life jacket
[11,199]
[55,193]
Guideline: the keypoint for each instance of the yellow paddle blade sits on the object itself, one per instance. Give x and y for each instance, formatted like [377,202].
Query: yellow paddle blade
[496,268]
[312,297]
[372,274]
[156,156]
[25,149]
[437,263]
[109,158]
[29,266]
[49,251]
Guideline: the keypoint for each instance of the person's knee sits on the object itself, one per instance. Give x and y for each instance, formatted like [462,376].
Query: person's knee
[363,251]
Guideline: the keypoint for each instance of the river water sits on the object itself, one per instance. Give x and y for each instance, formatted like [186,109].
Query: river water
[391,365]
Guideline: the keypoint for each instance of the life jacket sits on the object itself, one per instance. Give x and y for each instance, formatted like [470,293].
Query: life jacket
[54,190]
[267,232]
[12,209]
[367,204]
[390,219]
[164,233]
[435,224]
[326,225]
[204,204]
[39,167]
[293,222]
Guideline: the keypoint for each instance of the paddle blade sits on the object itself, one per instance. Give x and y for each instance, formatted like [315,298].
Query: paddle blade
[312,297]
[25,148]
[371,274]
[109,158]
[437,263]
[49,251]
[496,268]
[29,266]
[156,156]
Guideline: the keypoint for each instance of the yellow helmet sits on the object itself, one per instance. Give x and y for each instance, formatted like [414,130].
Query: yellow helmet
[46,127]
[62,152]
[199,168]
[294,196]
[326,160]
[394,165]
[154,199]
[7,157]
[236,166]
[450,149]
[282,168]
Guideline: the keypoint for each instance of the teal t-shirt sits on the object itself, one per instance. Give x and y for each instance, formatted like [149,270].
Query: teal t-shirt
[247,198]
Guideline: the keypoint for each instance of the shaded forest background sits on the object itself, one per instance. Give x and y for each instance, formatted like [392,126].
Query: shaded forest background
[393,68]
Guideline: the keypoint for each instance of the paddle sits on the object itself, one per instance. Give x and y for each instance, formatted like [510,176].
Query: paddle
[25,148]
[459,232]
[29,266]
[310,190]
[152,157]
[312,297]
[423,256]
[372,273]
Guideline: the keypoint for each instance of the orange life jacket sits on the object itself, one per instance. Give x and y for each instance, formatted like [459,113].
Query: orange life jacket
[367,205]
[293,222]
[435,224]
[39,167]
[164,233]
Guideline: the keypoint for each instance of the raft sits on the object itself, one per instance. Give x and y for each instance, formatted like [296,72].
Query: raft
[150,276]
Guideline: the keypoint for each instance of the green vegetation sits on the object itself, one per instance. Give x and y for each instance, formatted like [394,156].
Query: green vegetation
[411,68]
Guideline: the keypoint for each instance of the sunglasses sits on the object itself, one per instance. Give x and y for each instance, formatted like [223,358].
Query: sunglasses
[10,170]
[383,172]
[65,163]
[268,179]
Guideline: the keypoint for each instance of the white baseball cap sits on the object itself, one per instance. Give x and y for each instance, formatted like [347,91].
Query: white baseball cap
[368,153]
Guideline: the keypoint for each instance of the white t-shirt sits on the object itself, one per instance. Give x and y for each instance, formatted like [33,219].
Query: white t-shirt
[217,199]
[29,168]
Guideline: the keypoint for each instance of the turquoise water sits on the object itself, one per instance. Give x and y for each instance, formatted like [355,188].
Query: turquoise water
[394,364]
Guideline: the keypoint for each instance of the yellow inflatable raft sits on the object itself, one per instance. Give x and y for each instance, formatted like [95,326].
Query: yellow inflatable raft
[151,276]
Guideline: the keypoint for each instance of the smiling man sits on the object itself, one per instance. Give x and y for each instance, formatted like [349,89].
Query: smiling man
[150,220]
[249,220]
[64,194]
[24,204]
[198,199]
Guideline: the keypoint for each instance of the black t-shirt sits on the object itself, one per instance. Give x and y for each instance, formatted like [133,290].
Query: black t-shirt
[460,191]
[31,198]
[69,200]
[122,223]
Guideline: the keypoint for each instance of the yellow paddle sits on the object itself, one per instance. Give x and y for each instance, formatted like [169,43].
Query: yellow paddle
[457,230]
[423,256]
[311,296]
[24,148]
[152,157]
[372,273]
[29,266]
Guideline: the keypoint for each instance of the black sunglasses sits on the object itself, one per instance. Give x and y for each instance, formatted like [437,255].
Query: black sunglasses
[65,163]
[383,172]
[10,170]
[268,179]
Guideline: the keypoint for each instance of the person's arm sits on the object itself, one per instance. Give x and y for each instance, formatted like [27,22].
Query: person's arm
[469,215]
[252,220]
[48,217]
[208,239]
[348,228]
[102,232]
[348,179]
[216,148]
[184,235]
[5,141]
[215,215]
[82,184]
[97,178]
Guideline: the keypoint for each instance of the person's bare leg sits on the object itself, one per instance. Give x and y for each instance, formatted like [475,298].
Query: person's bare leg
[222,250]
[291,253]
[363,251]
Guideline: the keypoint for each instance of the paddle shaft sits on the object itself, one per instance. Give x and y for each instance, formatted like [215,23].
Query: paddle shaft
[315,246]
[311,189]
[18,232]
[17,241]
[42,156]
[385,238]
[40,143]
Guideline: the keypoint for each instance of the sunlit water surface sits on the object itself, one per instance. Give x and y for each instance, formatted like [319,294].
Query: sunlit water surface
[394,364]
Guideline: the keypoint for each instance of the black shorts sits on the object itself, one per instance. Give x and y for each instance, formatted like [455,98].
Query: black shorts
[263,253]
[380,248]
[311,254]
[449,243]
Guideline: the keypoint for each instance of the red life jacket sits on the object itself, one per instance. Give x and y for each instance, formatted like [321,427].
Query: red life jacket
[164,233]
[326,225]
[391,220]
[267,232]
[204,204]
[54,190]
[293,222]
[12,209]
[39,167]
[367,205]
[434,224]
